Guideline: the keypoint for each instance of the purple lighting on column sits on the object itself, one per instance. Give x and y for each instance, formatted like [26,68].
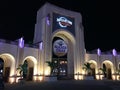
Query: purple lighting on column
[47,21]
[98,52]
[41,45]
[114,52]
[21,42]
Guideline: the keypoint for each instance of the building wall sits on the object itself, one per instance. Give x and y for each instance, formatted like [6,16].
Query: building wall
[13,55]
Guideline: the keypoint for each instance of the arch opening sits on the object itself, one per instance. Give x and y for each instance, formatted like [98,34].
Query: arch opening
[63,53]
[93,68]
[108,67]
[8,68]
[31,68]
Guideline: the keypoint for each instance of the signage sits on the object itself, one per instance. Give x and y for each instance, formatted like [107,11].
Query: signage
[60,47]
[64,22]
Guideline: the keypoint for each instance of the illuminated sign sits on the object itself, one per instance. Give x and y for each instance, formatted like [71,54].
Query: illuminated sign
[64,22]
[60,47]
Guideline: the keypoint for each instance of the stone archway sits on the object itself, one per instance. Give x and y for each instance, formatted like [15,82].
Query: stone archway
[32,67]
[108,67]
[8,66]
[94,68]
[66,61]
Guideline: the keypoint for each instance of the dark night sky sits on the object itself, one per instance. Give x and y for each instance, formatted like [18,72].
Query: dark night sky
[101,20]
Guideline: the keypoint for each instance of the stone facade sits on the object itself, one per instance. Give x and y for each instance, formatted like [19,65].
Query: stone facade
[55,22]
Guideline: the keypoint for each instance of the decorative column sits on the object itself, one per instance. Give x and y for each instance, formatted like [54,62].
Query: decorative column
[99,54]
[41,61]
[115,62]
[20,50]
[99,62]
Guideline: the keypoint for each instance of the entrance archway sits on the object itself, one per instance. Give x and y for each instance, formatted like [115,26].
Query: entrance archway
[8,66]
[93,67]
[59,56]
[108,67]
[32,67]
[66,61]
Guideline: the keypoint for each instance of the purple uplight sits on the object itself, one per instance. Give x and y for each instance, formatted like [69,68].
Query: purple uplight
[114,52]
[47,20]
[98,52]
[41,45]
[21,42]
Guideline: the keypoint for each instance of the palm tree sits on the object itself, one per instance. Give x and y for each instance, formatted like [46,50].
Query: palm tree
[103,71]
[52,66]
[23,69]
[87,68]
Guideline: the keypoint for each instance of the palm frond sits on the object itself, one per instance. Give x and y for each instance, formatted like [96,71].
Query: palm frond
[102,69]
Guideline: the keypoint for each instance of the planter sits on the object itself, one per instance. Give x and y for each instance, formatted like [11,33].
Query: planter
[88,78]
[50,78]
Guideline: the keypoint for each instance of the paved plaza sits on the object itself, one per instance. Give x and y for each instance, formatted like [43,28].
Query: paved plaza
[66,85]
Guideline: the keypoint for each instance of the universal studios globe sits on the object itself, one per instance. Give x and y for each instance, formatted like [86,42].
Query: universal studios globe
[60,48]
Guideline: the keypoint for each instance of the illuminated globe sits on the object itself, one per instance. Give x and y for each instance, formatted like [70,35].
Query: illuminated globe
[60,48]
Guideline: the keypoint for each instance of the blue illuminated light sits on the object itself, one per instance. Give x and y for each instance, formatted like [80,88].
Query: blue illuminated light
[114,52]
[41,45]
[21,42]
[98,52]
[47,20]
